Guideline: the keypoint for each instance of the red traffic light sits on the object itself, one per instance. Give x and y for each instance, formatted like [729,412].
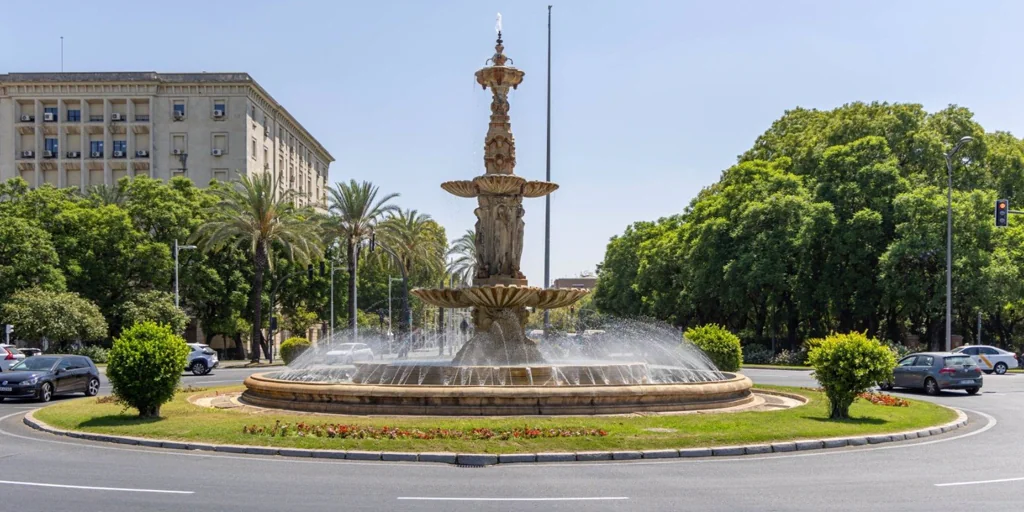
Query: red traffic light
[1002,206]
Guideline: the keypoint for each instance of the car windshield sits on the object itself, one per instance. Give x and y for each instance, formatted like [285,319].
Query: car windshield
[959,361]
[38,363]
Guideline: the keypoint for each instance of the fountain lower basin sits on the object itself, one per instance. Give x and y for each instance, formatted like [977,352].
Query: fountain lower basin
[264,390]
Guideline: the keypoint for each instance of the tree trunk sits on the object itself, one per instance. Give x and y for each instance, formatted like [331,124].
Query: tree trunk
[152,411]
[256,301]
[239,346]
[353,306]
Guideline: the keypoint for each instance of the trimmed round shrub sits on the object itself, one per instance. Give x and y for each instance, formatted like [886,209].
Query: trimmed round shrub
[720,345]
[847,365]
[145,365]
[292,348]
[756,354]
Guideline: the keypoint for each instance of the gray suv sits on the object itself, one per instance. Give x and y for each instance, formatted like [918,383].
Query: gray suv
[202,359]
[936,371]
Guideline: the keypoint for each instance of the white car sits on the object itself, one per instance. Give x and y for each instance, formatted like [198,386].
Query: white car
[990,359]
[9,356]
[347,353]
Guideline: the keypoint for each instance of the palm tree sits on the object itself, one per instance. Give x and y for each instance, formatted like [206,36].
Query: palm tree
[463,254]
[416,241]
[255,215]
[106,194]
[356,210]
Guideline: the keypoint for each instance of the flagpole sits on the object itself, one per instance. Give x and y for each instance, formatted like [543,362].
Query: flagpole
[547,198]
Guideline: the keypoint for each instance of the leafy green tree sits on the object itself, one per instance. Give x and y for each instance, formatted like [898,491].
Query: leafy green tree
[27,258]
[847,365]
[720,345]
[60,318]
[355,212]
[154,306]
[144,366]
[258,216]
[463,258]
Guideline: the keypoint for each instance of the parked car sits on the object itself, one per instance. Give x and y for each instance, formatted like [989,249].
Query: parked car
[29,352]
[935,372]
[990,359]
[9,356]
[43,377]
[347,353]
[202,359]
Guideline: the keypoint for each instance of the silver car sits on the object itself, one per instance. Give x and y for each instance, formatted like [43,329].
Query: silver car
[201,359]
[936,371]
[9,356]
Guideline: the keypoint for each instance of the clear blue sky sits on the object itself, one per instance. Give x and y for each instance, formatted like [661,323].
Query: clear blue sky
[651,100]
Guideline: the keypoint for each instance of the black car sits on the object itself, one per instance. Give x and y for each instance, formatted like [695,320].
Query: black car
[42,377]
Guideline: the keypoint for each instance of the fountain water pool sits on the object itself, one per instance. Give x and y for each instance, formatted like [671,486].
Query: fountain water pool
[499,370]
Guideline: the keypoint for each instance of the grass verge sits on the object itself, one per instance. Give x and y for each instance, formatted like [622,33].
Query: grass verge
[186,422]
[775,367]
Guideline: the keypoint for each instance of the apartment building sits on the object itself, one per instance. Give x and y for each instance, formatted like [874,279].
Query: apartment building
[85,129]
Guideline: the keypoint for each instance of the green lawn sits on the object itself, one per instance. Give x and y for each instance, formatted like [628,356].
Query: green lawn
[186,422]
[774,367]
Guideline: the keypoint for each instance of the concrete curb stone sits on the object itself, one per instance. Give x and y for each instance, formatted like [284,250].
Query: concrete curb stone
[484,459]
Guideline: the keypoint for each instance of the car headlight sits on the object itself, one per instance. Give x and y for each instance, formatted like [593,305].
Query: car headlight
[30,382]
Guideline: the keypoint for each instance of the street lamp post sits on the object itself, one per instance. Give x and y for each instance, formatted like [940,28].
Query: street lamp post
[949,241]
[177,249]
[333,270]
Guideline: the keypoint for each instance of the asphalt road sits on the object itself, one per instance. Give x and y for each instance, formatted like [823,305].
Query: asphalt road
[981,467]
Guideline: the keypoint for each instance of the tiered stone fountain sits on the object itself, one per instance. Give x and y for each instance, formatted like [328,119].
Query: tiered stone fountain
[500,371]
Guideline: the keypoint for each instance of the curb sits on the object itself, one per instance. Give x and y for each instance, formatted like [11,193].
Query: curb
[487,459]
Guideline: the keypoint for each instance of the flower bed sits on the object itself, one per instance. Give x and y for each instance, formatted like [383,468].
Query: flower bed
[342,431]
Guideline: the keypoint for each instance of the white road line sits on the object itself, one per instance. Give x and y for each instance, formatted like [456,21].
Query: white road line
[89,488]
[584,498]
[999,481]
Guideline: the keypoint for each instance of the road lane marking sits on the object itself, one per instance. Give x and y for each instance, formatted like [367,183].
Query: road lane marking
[581,498]
[90,488]
[978,482]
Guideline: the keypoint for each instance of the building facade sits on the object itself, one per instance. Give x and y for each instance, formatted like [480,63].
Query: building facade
[586,283]
[85,129]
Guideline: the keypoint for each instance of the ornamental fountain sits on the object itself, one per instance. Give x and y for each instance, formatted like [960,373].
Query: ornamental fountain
[500,371]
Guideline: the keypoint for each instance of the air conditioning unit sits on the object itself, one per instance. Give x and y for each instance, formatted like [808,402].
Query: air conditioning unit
[218,113]
[74,154]
[178,116]
[176,152]
[118,154]
[47,154]
[218,152]
[116,117]
[49,117]
[25,118]
[28,154]
[142,153]
[96,154]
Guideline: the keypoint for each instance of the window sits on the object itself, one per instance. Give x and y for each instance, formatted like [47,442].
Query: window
[971,351]
[220,175]
[220,142]
[179,109]
[121,145]
[74,116]
[65,364]
[219,108]
[96,146]
[51,145]
[254,148]
[924,361]
[908,361]
[266,156]
[52,111]
[179,144]
[988,351]
[81,362]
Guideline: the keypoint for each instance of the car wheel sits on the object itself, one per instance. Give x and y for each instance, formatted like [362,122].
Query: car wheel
[973,391]
[1001,368]
[45,392]
[931,387]
[885,386]
[94,387]
[199,368]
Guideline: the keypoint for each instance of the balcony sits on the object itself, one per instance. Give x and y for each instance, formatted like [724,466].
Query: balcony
[119,154]
[96,119]
[27,118]
[141,118]
[142,153]
[27,154]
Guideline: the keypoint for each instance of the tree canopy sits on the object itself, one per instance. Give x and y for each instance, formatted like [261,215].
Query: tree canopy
[836,221]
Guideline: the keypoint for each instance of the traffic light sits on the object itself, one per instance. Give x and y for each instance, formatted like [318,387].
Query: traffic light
[1002,213]
[273,323]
